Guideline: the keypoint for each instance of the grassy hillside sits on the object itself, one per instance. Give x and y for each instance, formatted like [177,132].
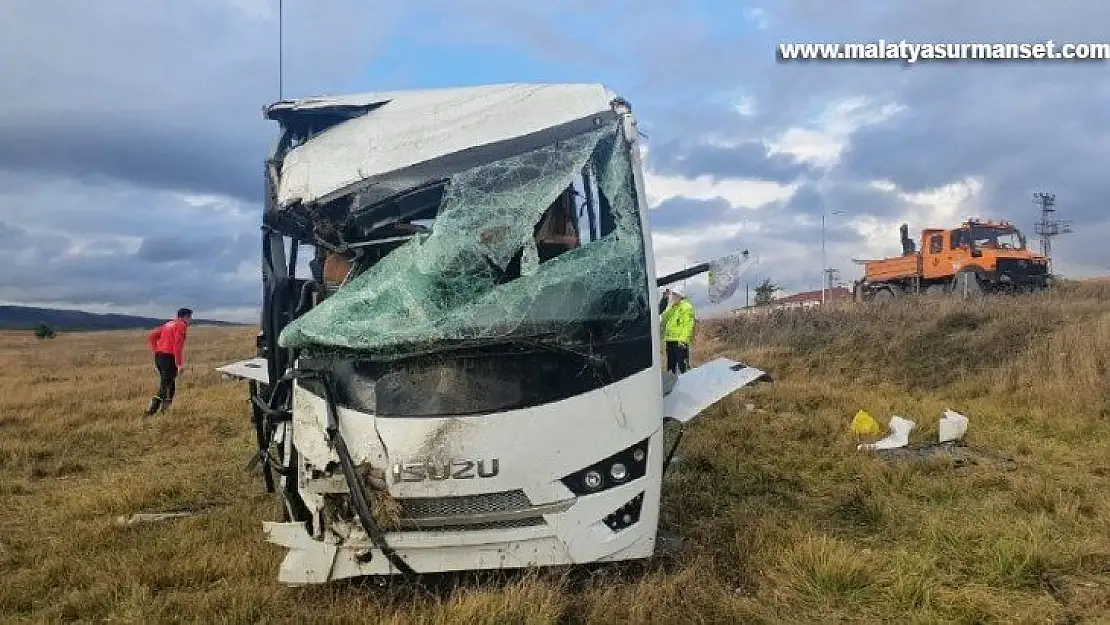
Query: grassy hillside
[784,521]
[25,317]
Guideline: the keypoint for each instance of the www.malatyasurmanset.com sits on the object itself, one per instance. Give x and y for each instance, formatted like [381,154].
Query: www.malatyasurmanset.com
[908,52]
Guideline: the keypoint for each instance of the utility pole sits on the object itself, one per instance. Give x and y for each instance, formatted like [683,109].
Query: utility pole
[824,260]
[1049,227]
[832,277]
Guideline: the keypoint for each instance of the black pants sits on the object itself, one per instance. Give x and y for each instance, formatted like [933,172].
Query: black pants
[167,376]
[678,357]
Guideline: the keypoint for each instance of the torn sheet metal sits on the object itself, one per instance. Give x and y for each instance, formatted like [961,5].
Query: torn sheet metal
[249,369]
[459,283]
[701,387]
[404,128]
[154,517]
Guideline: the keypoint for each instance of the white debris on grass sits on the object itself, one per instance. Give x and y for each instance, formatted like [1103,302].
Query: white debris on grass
[899,435]
[953,426]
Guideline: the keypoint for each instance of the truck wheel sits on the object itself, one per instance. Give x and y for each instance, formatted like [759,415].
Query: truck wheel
[967,284]
[934,290]
[883,295]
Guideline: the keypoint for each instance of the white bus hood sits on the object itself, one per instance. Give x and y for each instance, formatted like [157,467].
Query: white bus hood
[402,128]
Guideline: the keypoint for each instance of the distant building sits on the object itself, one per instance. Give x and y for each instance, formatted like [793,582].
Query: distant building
[807,299]
[810,298]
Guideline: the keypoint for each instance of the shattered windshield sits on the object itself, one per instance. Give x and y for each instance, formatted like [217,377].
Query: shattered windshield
[547,242]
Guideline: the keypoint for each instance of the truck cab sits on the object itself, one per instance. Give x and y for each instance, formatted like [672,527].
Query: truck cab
[995,251]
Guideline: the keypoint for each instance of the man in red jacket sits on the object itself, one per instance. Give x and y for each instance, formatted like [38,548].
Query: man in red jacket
[168,344]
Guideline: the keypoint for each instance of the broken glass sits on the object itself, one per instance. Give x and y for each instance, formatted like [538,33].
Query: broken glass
[480,275]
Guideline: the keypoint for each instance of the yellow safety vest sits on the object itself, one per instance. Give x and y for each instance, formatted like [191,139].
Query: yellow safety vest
[678,322]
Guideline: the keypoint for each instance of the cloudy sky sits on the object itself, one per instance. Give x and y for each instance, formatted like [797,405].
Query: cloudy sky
[131,135]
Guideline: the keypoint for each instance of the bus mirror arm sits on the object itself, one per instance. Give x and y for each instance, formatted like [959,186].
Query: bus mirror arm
[682,275]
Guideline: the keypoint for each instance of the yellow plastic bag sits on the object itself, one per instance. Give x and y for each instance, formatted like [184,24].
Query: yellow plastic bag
[865,425]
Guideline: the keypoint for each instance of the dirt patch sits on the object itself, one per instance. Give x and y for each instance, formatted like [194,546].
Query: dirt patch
[953,455]
[437,444]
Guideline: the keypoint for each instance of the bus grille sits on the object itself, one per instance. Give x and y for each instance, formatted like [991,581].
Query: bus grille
[417,508]
[475,527]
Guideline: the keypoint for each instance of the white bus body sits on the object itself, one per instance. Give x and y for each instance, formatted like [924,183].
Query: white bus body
[535,455]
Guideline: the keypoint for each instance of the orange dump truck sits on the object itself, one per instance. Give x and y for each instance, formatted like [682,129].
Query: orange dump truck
[975,257]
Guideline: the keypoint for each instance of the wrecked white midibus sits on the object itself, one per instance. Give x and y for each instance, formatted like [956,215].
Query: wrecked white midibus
[469,377]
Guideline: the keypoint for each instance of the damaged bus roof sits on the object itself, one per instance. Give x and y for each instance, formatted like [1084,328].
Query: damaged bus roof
[372,134]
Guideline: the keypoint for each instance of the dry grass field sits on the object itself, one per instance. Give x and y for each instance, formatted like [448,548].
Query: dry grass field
[783,520]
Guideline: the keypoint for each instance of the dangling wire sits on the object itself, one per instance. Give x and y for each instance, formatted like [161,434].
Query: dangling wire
[281,33]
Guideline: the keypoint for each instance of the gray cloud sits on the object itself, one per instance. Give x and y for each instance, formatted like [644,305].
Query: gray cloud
[210,250]
[103,271]
[13,237]
[65,204]
[118,280]
[684,213]
[166,250]
[146,153]
[692,120]
[128,248]
[748,160]
[840,202]
[161,96]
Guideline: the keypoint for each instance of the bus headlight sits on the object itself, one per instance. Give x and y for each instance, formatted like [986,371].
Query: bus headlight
[622,467]
[618,471]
